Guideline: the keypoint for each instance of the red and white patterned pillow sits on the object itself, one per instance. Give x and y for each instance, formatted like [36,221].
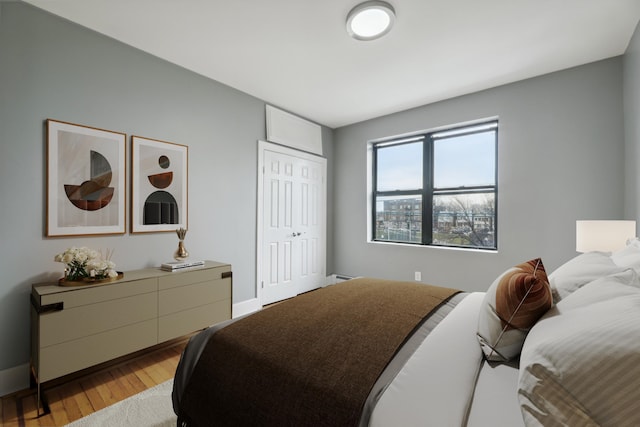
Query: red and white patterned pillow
[512,305]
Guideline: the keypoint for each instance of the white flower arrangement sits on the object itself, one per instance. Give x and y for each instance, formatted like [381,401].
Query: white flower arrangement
[86,263]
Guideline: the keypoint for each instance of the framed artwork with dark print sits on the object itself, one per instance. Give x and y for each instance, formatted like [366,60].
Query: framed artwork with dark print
[159,185]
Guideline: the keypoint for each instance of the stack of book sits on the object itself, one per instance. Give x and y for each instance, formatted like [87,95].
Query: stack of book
[179,265]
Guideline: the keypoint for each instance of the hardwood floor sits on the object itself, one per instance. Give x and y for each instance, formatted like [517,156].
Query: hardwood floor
[77,397]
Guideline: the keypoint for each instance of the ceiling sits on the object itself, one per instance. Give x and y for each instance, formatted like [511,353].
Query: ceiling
[296,54]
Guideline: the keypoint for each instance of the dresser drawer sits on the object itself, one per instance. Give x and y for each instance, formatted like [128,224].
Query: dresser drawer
[75,297]
[67,357]
[72,323]
[185,278]
[187,321]
[179,299]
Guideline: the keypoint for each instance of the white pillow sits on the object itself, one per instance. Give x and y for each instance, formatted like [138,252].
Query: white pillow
[629,256]
[579,271]
[580,364]
[617,285]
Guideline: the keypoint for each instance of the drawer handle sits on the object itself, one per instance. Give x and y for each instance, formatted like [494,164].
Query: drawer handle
[226,274]
[58,306]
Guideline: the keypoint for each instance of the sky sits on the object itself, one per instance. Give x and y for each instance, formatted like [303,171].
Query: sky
[461,160]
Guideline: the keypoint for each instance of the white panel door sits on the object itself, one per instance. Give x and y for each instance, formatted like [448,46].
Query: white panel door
[294,224]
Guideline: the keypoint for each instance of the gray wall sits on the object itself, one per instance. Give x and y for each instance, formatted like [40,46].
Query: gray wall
[631,73]
[51,68]
[560,159]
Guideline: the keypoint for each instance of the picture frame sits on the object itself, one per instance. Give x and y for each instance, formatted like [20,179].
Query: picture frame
[86,180]
[159,185]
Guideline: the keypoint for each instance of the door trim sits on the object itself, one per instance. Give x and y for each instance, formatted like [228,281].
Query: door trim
[262,147]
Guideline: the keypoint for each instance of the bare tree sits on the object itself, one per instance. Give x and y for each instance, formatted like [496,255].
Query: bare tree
[470,211]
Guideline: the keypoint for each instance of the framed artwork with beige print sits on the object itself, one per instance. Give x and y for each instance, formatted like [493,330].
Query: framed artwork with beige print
[86,178]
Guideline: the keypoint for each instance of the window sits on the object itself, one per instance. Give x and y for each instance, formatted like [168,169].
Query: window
[438,188]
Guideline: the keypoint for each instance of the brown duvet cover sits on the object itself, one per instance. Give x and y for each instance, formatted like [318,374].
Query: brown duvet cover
[311,360]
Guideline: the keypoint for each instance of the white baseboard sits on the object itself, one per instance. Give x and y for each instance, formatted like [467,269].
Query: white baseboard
[14,379]
[246,307]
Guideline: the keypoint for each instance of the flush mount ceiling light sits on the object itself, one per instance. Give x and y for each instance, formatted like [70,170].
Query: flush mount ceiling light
[370,20]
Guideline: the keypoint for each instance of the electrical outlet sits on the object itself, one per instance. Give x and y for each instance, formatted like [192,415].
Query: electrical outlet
[418,276]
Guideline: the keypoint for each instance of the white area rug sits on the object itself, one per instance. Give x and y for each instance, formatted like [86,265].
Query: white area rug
[151,408]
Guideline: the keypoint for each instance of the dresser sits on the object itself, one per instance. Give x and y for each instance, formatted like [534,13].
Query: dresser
[75,327]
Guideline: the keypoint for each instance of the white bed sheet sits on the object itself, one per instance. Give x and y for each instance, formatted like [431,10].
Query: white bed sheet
[495,401]
[436,386]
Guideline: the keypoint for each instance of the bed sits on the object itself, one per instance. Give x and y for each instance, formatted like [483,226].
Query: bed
[533,350]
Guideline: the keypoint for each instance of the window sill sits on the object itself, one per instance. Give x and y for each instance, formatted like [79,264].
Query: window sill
[436,247]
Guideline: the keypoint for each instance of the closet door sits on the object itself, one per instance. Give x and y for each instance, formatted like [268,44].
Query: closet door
[293,224]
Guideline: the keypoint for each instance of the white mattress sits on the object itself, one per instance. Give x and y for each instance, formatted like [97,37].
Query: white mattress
[446,380]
